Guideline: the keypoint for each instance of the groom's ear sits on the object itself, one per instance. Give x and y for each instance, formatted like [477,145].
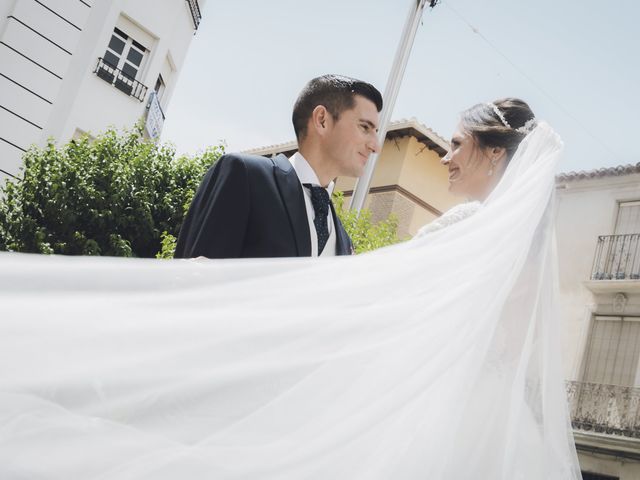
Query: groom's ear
[320,119]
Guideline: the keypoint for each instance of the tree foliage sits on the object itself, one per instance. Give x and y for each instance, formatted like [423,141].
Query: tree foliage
[365,234]
[114,195]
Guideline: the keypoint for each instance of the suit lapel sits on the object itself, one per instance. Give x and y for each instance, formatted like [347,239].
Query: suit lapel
[343,242]
[293,199]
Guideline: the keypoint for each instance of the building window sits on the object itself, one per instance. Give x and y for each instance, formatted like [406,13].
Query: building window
[122,63]
[618,255]
[160,87]
[626,246]
[79,135]
[628,220]
[613,351]
[125,54]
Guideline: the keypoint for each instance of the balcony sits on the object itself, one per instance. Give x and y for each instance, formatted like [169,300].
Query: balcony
[617,258]
[120,80]
[608,409]
[196,15]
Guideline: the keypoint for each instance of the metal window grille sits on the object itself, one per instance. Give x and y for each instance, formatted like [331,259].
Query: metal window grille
[608,409]
[617,257]
[120,79]
[196,14]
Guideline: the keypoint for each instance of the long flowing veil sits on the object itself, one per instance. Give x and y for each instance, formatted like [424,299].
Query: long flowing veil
[437,358]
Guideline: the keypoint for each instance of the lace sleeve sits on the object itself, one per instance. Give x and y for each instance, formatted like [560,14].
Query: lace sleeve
[451,216]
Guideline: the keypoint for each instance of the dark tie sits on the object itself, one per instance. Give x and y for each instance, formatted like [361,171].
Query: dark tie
[320,200]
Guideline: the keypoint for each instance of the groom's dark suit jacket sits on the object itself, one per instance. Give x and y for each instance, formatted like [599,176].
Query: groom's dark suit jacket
[251,206]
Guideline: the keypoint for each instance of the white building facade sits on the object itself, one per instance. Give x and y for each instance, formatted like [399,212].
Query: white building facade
[598,234]
[69,67]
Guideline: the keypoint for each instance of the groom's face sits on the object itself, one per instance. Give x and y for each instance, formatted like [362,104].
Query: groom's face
[352,138]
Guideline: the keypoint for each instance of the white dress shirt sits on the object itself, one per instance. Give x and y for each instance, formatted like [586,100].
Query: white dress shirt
[307,175]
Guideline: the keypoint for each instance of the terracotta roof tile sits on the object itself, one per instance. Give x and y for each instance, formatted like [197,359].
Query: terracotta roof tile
[599,173]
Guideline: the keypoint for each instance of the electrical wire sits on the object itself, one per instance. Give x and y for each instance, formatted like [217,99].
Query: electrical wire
[475,30]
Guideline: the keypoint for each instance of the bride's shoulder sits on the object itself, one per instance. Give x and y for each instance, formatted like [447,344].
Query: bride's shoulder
[451,216]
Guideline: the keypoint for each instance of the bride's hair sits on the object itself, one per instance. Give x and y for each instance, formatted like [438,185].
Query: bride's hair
[488,129]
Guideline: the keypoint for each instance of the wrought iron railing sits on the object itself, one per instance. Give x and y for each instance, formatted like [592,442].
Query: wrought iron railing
[601,408]
[195,12]
[617,258]
[120,80]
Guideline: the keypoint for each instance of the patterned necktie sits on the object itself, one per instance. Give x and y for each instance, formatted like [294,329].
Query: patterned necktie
[320,200]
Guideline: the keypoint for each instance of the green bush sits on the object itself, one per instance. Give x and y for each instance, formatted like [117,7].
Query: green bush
[365,234]
[115,195]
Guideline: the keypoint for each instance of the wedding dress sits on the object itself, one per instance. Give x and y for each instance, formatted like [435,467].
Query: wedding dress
[434,359]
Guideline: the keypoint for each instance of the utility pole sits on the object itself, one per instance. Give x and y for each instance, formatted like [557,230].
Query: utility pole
[390,94]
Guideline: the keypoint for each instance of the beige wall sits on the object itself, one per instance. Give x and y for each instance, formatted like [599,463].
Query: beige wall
[408,164]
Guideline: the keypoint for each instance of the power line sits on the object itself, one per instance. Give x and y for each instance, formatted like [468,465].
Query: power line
[531,80]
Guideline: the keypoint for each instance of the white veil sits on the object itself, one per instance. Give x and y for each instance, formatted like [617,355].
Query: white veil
[437,358]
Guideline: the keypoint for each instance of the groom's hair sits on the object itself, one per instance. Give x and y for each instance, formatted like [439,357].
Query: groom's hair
[336,93]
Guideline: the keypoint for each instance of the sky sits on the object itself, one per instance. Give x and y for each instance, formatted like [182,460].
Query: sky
[576,62]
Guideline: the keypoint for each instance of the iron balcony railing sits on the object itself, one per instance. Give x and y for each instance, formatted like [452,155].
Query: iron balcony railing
[120,80]
[617,258]
[195,12]
[609,409]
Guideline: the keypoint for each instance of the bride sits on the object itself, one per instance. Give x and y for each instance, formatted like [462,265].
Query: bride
[437,358]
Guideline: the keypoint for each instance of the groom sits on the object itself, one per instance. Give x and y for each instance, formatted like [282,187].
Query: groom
[251,206]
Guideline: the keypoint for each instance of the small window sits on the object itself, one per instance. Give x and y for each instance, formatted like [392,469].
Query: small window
[80,134]
[159,87]
[122,63]
[613,351]
[618,255]
[628,221]
[125,54]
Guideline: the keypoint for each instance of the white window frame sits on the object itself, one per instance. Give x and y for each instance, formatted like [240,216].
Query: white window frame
[612,354]
[624,224]
[163,87]
[129,44]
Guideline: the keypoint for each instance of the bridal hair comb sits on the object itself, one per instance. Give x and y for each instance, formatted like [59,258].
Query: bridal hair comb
[526,128]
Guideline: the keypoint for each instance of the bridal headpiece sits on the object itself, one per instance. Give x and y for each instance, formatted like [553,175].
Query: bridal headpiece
[526,128]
